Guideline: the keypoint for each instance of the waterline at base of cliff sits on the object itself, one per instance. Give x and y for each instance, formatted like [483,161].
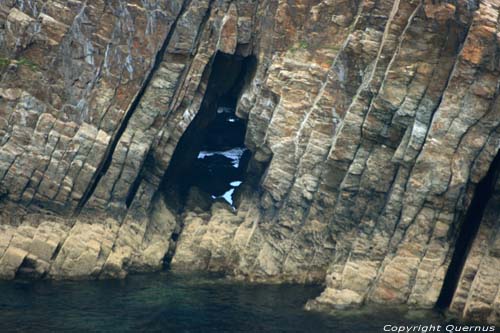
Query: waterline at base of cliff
[182,303]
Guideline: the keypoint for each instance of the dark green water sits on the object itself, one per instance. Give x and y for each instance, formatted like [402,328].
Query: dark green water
[168,302]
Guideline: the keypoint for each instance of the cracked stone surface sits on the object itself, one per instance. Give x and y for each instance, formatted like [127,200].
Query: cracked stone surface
[374,121]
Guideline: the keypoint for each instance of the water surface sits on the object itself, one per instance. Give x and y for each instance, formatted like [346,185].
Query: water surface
[168,302]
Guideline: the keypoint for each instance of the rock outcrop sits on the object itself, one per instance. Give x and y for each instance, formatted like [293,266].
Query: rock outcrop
[371,124]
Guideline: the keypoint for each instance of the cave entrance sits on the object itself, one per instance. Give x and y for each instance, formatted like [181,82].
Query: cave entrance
[211,155]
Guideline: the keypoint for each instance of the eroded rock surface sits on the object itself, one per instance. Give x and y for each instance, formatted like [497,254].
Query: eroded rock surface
[371,124]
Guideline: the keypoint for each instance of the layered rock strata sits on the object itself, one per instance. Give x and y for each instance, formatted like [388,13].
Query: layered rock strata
[371,124]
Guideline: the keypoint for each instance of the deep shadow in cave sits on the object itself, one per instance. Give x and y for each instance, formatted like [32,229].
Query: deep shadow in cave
[211,155]
[467,234]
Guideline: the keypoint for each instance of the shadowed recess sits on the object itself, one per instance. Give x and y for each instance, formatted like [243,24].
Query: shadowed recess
[211,155]
[467,234]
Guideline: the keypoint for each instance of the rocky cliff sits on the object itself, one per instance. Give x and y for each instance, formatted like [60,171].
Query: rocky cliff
[373,126]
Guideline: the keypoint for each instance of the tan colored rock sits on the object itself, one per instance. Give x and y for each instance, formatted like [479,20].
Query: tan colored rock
[114,265]
[338,299]
[11,261]
[189,254]
[228,40]
[371,124]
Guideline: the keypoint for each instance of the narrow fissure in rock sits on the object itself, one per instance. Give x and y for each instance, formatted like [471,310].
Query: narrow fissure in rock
[468,232]
[108,156]
[211,159]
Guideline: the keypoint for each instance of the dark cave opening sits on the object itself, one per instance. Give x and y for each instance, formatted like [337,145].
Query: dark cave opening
[211,154]
[467,233]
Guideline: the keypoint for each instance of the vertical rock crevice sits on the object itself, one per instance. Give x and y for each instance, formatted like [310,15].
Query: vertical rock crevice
[108,155]
[467,233]
[371,126]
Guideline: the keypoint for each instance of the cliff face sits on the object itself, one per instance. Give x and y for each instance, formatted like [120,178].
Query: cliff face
[371,124]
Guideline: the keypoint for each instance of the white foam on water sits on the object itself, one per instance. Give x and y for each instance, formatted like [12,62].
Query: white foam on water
[234,155]
[228,196]
[223,109]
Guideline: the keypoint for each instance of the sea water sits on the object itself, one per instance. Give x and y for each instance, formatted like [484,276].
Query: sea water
[168,302]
